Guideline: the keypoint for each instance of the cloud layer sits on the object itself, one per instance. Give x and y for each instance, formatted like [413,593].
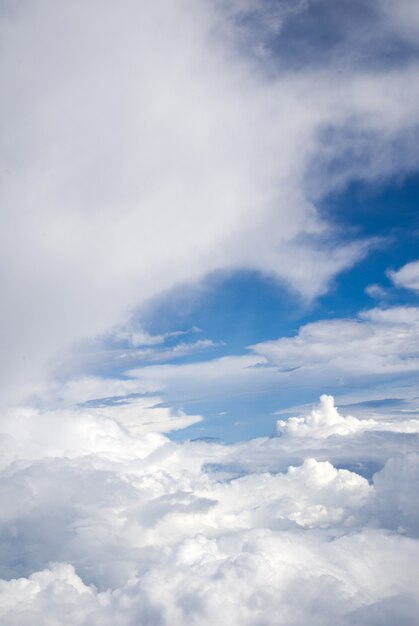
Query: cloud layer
[104,523]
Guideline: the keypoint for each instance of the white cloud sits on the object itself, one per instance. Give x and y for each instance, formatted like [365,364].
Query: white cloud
[325,421]
[102,524]
[376,291]
[136,336]
[393,489]
[372,356]
[407,276]
[380,341]
[142,149]
[104,429]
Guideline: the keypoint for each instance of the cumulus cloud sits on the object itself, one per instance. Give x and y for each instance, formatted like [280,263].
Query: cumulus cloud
[105,523]
[325,421]
[407,276]
[88,429]
[144,145]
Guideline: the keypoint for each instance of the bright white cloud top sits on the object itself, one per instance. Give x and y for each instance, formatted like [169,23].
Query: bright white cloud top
[325,421]
[114,526]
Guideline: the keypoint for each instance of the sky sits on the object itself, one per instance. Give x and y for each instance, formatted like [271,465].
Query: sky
[209,373]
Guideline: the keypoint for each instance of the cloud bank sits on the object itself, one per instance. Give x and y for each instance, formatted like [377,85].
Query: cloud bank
[106,523]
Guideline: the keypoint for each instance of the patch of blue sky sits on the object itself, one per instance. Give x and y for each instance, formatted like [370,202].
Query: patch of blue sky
[244,307]
[342,33]
[246,415]
[237,309]
[389,212]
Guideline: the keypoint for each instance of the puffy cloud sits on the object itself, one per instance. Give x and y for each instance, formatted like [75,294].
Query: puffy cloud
[407,276]
[106,428]
[325,421]
[248,586]
[394,487]
[103,523]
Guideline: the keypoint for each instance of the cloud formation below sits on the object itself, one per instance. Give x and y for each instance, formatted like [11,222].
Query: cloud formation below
[126,527]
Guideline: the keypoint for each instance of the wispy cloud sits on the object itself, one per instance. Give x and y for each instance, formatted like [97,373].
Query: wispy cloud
[371,357]
[136,336]
[376,291]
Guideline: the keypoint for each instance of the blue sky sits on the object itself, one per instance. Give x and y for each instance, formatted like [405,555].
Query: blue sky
[237,309]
